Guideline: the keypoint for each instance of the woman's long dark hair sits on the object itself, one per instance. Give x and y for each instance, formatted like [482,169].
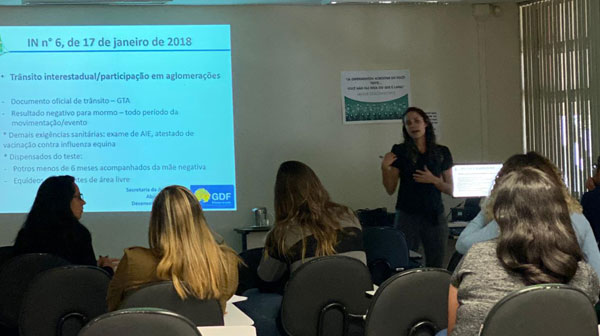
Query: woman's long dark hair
[537,240]
[51,208]
[301,201]
[430,143]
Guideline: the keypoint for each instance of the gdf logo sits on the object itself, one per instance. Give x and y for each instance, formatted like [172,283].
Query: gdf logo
[220,196]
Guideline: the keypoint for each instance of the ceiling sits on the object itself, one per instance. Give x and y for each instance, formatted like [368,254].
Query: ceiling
[233,2]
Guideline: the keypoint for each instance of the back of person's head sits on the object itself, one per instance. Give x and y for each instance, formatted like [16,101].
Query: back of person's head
[537,240]
[180,237]
[302,202]
[537,161]
[298,192]
[51,209]
[533,160]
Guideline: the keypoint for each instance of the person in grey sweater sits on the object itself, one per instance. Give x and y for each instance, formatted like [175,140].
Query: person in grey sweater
[537,244]
[483,227]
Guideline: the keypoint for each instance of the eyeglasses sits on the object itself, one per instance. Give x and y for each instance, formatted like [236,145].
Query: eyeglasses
[80,197]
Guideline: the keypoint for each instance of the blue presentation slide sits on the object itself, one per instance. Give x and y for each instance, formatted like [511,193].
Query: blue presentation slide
[127,110]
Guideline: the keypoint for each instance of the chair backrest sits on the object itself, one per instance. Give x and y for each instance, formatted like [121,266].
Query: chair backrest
[140,322]
[387,252]
[411,303]
[375,217]
[163,295]
[60,301]
[454,260]
[6,253]
[323,294]
[542,310]
[15,276]
[248,278]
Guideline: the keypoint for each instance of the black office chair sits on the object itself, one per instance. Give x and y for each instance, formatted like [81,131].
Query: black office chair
[542,310]
[375,217]
[140,322]
[454,261]
[247,271]
[163,295]
[326,297]
[15,276]
[387,252]
[248,276]
[412,303]
[6,253]
[60,301]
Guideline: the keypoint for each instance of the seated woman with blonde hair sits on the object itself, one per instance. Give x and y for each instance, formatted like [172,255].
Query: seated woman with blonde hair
[182,250]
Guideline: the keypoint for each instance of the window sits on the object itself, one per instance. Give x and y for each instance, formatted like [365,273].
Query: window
[560,83]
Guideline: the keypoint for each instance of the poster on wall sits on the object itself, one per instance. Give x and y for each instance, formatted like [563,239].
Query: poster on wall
[435,117]
[375,96]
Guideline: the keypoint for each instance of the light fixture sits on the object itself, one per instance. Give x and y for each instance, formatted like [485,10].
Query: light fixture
[94,2]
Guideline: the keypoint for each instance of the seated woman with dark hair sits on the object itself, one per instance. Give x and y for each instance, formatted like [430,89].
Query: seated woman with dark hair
[52,225]
[182,250]
[307,224]
[483,227]
[536,245]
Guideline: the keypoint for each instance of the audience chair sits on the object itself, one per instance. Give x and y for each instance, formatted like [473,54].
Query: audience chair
[542,310]
[375,217]
[6,253]
[412,303]
[15,276]
[248,278]
[326,297]
[163,295]
[140,322]
[387,252]
[60,301]
[454,260]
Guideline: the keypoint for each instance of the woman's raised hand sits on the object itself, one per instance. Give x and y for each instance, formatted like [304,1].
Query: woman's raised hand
[387,161]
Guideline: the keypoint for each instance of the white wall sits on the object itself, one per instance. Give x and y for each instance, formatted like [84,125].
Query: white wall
[286,64]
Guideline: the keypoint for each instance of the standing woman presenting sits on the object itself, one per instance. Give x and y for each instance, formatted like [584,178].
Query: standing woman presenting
[423,169]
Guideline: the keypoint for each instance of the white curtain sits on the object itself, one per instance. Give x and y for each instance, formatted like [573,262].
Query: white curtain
[560,81]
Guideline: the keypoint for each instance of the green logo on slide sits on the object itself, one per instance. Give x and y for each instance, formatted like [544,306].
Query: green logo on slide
[202,195]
